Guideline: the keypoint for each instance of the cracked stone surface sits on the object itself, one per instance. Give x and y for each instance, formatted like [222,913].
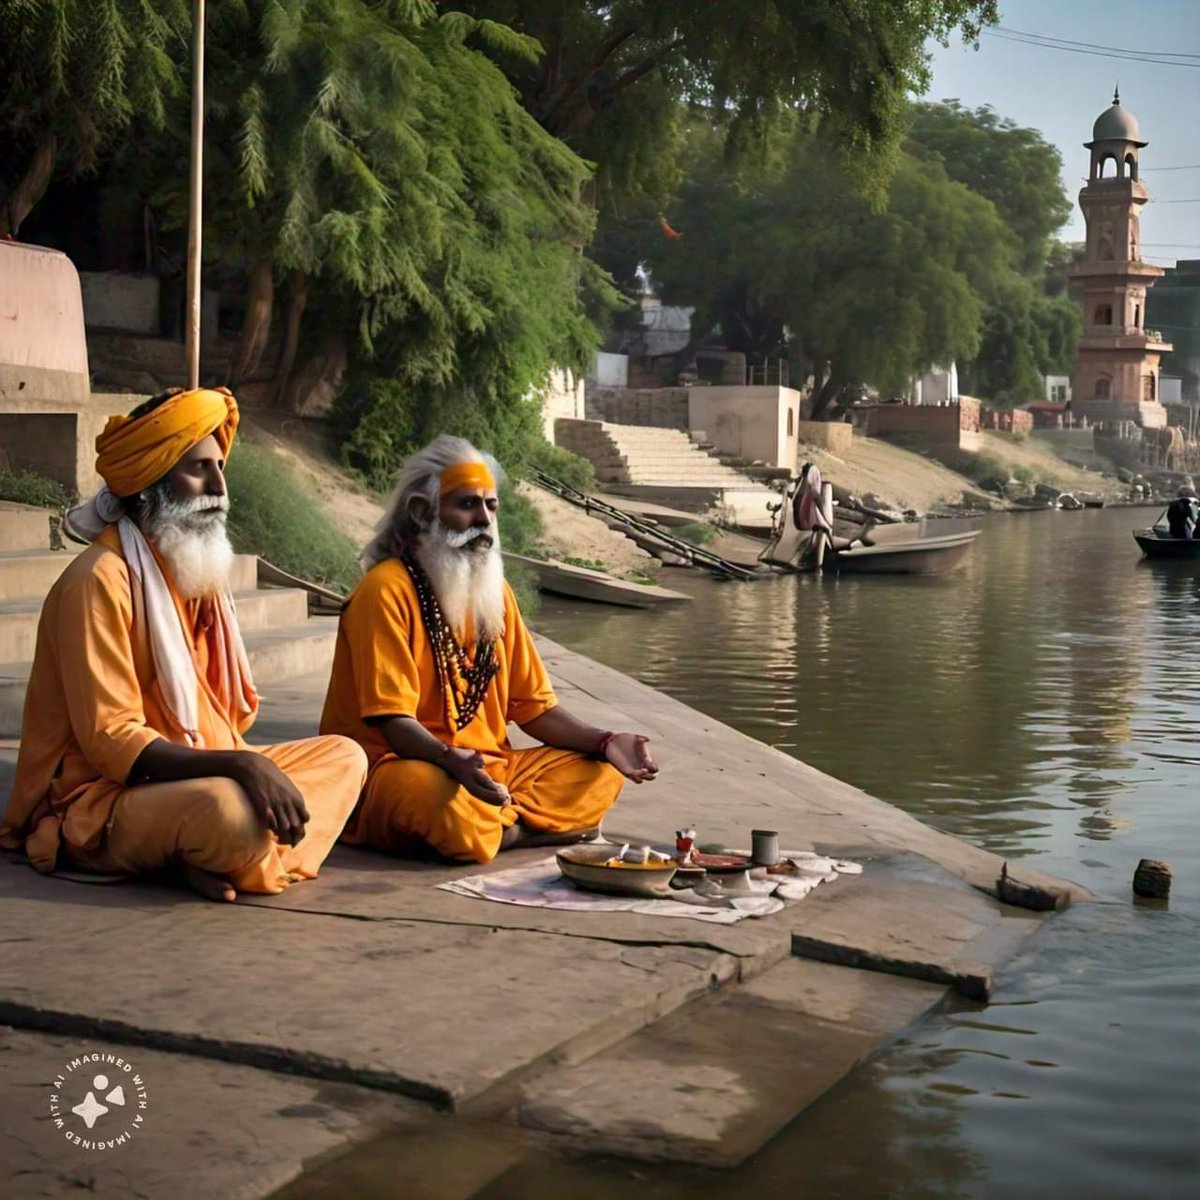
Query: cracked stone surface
[210,1129]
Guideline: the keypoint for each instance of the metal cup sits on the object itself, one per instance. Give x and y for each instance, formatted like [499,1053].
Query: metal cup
[764,847]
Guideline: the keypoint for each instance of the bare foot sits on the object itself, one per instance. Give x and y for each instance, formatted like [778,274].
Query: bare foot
[210,886]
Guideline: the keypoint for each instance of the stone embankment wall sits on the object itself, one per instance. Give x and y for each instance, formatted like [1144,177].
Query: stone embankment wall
[1015,421]
[834,436]
[662,408]
[937,427]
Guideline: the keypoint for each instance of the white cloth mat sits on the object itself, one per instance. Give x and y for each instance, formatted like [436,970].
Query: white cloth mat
[540,885]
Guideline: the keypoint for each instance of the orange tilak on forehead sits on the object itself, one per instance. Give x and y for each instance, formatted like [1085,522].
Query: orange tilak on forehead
[467,474]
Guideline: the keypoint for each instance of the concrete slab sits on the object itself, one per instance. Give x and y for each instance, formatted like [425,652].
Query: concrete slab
[440,1012]
[710,1085]
[209,1129]
[907,916]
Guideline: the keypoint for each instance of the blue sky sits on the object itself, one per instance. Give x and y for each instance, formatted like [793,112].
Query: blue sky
[1062,93]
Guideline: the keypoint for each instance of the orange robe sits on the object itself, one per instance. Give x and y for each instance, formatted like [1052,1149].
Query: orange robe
[92,707]
[384,667]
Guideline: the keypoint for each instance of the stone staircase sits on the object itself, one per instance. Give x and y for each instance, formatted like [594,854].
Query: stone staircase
[661,464]
[282,641]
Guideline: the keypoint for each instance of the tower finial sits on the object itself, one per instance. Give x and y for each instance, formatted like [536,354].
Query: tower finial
[1117,94]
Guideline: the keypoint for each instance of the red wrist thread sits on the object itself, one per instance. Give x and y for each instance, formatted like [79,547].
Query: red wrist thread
[601,750]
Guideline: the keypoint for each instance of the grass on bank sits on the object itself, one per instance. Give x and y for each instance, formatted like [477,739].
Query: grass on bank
[271,515]
[21,486]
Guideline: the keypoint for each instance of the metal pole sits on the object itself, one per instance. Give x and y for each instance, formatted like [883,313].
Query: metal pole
[195,201]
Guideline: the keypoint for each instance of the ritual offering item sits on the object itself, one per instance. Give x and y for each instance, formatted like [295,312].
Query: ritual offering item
[764,849]
[599,869]
[722,864]
[685,843]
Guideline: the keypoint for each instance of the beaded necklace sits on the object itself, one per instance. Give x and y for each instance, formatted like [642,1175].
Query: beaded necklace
[464,673]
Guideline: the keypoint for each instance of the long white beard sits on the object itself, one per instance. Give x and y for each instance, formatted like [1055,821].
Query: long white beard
[191,538]
[469,584]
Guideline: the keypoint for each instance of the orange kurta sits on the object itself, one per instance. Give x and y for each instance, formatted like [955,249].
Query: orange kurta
[384,667]
[92,707]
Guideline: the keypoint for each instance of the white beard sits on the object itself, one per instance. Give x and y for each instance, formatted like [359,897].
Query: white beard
[191,538]
[469,584]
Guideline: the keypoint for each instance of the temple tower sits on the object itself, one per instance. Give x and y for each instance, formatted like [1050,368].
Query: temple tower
[1117,375]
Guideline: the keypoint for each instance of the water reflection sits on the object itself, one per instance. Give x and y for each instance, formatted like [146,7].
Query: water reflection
[1044,702]
[993,703]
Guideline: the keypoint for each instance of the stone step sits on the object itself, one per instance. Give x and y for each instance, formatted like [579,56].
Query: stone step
[29,574]
[275,654]
[256,610]
[711,1083]
[23,528]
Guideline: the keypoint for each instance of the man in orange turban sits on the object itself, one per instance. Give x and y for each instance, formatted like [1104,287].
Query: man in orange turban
[132,754]
[432,663]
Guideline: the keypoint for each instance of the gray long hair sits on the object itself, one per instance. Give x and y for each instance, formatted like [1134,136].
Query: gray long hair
[419,479]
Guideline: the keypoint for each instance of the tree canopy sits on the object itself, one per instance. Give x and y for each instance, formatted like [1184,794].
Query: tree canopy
[1030,326]
[75,74]
[800,263]
[613,72]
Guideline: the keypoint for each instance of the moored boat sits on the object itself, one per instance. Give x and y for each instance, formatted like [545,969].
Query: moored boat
[929,555]
[582,583]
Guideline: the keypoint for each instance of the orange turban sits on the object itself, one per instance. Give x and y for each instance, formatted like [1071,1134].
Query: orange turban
[132,453]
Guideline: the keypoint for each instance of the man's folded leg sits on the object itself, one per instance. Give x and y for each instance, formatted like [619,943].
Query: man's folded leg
[409,805]
[329,773]
[211,825]
[560,791]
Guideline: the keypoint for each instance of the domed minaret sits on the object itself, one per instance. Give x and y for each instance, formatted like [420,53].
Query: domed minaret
[1117,375]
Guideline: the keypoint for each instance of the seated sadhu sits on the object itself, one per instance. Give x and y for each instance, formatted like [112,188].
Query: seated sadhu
[132,755]
[433,661]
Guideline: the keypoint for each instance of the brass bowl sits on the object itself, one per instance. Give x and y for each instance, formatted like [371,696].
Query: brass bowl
[592,868]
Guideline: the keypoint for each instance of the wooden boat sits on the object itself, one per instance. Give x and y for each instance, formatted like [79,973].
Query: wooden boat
[1156,542]
[582,583]
[931,546]
[928,555]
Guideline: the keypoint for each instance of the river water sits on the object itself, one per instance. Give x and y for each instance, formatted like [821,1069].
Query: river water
[1044,703]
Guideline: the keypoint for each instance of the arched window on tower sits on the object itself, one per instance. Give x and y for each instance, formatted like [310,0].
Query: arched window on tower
[1103,387]
[1104,250]
[791,422]
[1107,162]
[1137,316]
[1130,166]
[1103,315]
[1149,387]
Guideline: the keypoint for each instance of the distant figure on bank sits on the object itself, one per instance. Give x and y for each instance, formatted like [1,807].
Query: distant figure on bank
[132,756]
[433,661]
[1181,513]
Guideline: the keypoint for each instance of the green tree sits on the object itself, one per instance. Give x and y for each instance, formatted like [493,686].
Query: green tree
[1014,167]
[75,75]
[1030,326]
[612,70]
[799,262]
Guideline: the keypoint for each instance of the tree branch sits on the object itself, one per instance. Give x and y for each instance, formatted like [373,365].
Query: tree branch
[601,97]
[603,51]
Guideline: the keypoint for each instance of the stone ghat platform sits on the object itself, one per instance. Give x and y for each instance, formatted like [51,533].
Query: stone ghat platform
[276,1034]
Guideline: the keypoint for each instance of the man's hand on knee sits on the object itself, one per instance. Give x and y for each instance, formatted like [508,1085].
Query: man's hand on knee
[465,767]
[275,798]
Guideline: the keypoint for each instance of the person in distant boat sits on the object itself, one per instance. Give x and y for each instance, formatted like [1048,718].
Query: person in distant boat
[1181,514]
